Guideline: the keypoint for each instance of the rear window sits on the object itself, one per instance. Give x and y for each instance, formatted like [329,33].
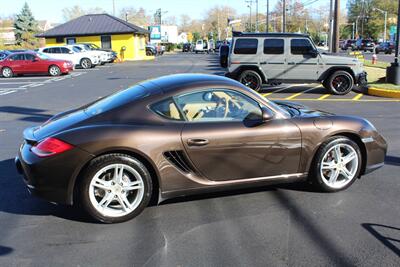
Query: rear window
[274,46]
[246,46]
[118,99]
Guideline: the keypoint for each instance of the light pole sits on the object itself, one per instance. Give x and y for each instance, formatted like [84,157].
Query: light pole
[284,16]
[249,6]
[256,15]
[385,15]
[393,72]
[267,18]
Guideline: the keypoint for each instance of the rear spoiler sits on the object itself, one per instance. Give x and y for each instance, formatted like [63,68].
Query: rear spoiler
[29,135]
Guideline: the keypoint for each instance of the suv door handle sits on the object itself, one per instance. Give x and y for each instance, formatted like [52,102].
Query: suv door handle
[197,142]
[263,63]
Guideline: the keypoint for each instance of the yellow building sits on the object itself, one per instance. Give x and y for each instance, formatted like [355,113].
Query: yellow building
[103,30]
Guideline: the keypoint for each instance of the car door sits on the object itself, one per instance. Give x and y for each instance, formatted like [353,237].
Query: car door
[303,61]
[226,140]
[33,64]
[16,63]
[273,58]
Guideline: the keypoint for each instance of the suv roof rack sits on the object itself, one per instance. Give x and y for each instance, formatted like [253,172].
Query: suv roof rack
[268,34]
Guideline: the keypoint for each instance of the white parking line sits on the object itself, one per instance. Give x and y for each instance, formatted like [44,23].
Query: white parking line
[7,92]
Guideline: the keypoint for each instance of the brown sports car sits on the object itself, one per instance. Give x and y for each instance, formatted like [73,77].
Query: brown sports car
[185,134]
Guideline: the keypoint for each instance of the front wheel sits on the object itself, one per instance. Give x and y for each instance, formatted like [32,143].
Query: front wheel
[251,79]
[54,71]
[7,72]
[115,188]
[86,63]
[339,83]
[336,165]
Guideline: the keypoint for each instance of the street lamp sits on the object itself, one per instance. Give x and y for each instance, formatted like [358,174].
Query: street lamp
[250,3]
[393,72]
[385,14]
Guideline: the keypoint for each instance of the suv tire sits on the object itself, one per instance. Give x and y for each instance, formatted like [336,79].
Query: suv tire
[251,79]
[339,83]
[86,63]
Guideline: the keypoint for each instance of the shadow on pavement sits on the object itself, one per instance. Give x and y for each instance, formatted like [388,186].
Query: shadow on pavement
[379,231]
[17,200]
[5,250]
[392,160]
[31,114]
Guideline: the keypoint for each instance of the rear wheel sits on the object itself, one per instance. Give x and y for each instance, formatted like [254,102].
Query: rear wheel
[7,72]
[86,63]
[54,70]
[336,165]
[115,188]
[339,83]
[251,79]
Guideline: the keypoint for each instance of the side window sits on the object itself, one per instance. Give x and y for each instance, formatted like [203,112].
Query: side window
[29,57]
[274,46]
[218,105]
[46,50]
[300,46]
[167,109]
[246,46]
[64,50]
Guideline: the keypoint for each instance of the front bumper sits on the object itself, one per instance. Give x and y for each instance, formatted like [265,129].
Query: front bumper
[51,178]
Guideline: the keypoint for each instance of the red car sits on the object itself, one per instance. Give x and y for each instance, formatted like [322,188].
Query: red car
[33,63]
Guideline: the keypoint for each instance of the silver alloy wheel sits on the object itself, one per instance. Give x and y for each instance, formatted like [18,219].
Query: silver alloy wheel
[339,166]
[7,72]
[54,71]
[116,190]
[85,63]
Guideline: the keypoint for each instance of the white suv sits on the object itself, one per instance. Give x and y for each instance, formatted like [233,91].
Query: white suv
[83,59]
[103,55]
[257,58]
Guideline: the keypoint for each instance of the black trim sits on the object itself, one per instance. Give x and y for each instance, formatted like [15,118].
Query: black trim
[244,62]
[269,34]
[178,159]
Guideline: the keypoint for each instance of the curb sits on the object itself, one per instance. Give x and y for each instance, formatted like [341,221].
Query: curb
[384,92]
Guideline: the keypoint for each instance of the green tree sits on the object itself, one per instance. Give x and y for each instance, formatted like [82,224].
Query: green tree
[25,27]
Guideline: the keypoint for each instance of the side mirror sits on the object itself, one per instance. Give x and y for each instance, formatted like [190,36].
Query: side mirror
[266,114]
[70,52]
[313,53]
[35,59]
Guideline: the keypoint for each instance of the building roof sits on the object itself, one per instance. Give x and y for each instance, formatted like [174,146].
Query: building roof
[93,24]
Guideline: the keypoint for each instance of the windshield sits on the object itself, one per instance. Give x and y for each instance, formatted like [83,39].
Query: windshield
[77,49]
[42,56]
[93,46]
[117,99]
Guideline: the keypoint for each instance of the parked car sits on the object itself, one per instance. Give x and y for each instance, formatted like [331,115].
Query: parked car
[364,45]
[347,44]
[201,47]
[385,47]
[151,50]
[100,156]
[113,57]
[82,59]
[260,58]
[33,63]
[104,56]
[4,54]
[186,47]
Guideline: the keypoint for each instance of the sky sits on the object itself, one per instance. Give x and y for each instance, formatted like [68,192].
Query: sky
[51,9]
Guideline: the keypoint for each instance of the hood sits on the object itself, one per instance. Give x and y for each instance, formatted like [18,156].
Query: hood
[299,110]
[330,59]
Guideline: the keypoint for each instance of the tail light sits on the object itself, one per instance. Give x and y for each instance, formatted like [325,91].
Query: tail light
[50,147]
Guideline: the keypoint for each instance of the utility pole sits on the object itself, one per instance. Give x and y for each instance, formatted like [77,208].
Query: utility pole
[330,36]
[114,8]
[256,15]
[393,72]
[385,22]
[335,39]
[284,16]
[249,4]
[267,18]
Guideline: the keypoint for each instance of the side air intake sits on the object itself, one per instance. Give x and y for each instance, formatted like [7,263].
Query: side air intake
[179,160]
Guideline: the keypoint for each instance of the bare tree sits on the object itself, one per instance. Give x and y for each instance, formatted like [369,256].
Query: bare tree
[136,16]
[76,11]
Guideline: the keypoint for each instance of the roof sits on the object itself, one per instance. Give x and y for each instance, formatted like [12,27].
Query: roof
[268,34]
[93,24]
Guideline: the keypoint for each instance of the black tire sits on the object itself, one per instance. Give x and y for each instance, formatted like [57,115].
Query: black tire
[99,163]
[335,81]
[251,79]
[54,70]
[86,63]
[7,72]
[315,174]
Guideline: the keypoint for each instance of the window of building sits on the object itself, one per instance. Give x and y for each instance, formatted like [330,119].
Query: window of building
[274,46]
[246,46]
[71,40]
[106,42]
[59,40]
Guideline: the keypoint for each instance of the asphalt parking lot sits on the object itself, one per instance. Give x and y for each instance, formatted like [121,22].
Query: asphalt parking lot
[284,225]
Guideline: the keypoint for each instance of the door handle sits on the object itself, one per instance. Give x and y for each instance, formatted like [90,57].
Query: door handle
[292,63]
[263,63]
[197,142]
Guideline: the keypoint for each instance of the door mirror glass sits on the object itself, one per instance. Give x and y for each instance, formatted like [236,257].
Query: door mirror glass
[313,53]
[266,114]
